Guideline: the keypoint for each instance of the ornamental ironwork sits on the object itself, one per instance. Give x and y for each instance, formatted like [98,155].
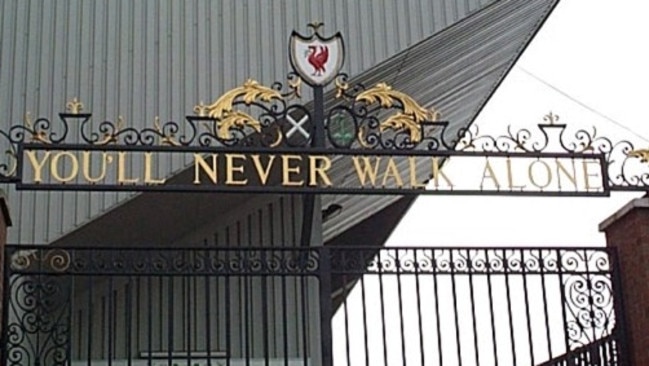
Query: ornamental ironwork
[519,305]
[258,138]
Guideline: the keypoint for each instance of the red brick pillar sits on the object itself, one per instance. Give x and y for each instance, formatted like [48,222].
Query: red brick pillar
[628,231]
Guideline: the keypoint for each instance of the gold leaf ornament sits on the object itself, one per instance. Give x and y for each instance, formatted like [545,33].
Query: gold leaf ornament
[410,119]
[642,154]
[402,121]
[236,119]
[222,108]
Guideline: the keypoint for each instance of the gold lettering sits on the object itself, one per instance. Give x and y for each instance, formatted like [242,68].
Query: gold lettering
[316,170]
[391,171]
[437,173]
[588,175]
[121,169]
[365,171]
[510,176]
[572,178]
[548,173]
[36,165]
[261,171]
[491,175]
[412,165]
[147,171]
[86,158]
[287,169]
[230,169]
[200,163]
[74,166]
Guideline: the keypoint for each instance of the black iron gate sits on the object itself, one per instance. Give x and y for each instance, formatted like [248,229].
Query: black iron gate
[293,306]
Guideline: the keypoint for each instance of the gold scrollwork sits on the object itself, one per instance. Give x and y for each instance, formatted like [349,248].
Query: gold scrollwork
[341,87]
[361,138]
[111,136]
[410,119]
[642,154]
[37,135]
[165,139]
[57,260]
[22,259]
[74,106]
[296,87]
[227,118]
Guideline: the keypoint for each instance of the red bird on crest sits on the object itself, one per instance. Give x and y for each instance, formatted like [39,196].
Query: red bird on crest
[318,58]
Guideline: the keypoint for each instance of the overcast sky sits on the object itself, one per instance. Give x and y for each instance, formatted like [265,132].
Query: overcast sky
[592,50]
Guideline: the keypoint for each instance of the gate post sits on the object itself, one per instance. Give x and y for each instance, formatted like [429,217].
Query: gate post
[627,231]
[5,222]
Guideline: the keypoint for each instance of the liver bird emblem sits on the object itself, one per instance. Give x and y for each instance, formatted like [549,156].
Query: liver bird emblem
[317,57]
[314,58]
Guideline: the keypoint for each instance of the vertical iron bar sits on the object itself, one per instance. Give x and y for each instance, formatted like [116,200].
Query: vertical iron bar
[264,309]
[455,312]
[150,320]
[208,320]
[91,328]
[509,307]
[170,319]
[437,315]
[160,310]
[491,307]
[527,307]
[346,317]
[284,321]
[305,318]
[138,315]
[422,351]
[563,301]
[364,308]
[546,316]
[326,313]
[246,307]
[472,300]
[400,303]
[382,302]
[79,332]
[127,321]
[111,321]
[71,302]
[228,323]
[187,314]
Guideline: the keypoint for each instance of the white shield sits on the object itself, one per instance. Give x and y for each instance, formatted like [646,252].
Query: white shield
[317,60]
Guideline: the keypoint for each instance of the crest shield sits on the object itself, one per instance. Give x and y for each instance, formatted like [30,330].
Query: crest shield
[316,59]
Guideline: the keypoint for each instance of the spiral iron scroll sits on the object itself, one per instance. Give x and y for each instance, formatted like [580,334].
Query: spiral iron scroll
[38,331]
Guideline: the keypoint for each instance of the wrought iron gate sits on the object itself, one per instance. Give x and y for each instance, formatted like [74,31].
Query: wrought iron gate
[293,306]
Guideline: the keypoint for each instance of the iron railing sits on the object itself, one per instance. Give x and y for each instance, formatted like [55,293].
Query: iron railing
[311,306]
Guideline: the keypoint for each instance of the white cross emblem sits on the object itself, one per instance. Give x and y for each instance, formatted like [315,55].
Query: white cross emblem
[297,126]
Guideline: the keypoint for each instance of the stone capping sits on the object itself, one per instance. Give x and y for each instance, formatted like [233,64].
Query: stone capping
[642,202]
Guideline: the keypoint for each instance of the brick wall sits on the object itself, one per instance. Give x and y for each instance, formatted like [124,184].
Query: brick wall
[628,232]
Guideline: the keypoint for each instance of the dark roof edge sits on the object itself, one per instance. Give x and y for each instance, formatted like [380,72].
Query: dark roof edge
[517,56]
